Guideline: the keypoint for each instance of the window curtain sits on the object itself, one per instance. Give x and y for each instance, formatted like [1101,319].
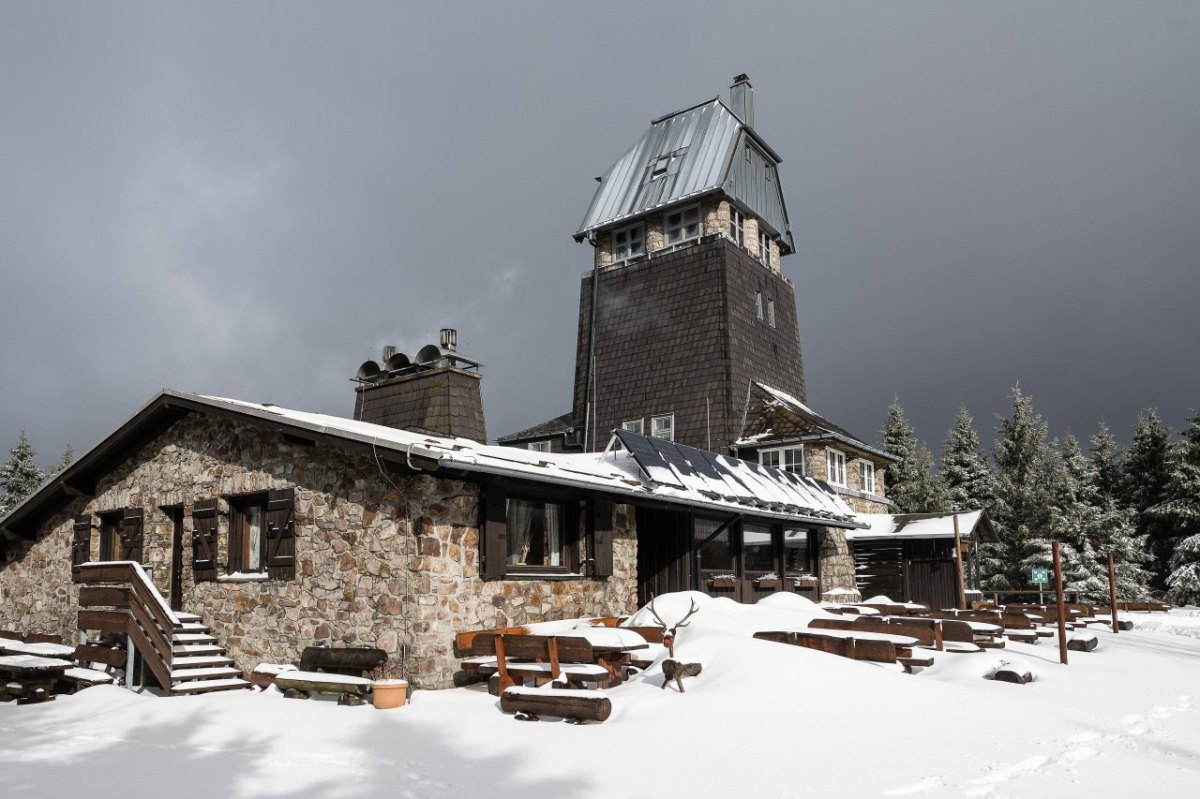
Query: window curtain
[520,534]
[553,535]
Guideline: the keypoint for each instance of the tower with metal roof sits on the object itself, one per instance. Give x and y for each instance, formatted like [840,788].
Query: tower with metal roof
[689,308]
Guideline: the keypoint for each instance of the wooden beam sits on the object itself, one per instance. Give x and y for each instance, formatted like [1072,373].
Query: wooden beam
[1062,608]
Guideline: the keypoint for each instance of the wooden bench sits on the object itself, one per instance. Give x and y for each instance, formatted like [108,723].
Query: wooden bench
[1144,607]
[509,660]
[85,673]
[330,670]
[852,644]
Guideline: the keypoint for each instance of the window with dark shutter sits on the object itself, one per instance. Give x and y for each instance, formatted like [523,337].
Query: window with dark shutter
[204,540]
[280,557]
[81,541]
[493,543]
[602,538]
[131,535]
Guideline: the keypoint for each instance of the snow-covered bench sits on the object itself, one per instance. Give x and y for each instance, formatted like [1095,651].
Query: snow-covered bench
[508,659]
[325,670]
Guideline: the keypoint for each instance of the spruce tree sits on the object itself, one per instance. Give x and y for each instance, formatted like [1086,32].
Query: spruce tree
[68,457]
[1179,516]
[1144,484]
[1105,464]
[20,475]
[1116,524]
[910,481]
[965,473]
[1023,498]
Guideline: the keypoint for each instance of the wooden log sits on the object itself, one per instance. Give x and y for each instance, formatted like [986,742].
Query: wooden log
[564,704]
[313,683]
[1083,643]
[1012,675]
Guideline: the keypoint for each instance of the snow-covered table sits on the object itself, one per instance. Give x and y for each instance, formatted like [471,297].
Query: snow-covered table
[33,677]
[8,647]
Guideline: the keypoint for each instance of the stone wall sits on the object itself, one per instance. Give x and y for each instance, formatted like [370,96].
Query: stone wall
[381,560]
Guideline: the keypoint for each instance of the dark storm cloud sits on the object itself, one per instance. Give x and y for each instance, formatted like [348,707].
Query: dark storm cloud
[251,201]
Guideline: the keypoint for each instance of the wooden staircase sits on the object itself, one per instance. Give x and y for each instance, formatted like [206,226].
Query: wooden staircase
[177,648]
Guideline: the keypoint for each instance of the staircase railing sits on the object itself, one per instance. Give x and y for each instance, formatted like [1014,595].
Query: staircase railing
[137,610]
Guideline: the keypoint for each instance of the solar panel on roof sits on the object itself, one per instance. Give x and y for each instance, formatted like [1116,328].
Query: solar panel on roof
[648,458]
[671,453]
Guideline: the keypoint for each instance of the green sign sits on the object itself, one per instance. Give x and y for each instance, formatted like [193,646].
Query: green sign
[1041,575]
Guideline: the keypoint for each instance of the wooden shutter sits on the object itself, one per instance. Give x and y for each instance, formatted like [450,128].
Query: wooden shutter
[602,538]
[493,544]
[81,541]
[204,540]
[281,534]
[131,535]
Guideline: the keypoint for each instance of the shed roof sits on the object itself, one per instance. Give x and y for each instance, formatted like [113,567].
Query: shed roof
[614,473]
[972,524]
[696,150]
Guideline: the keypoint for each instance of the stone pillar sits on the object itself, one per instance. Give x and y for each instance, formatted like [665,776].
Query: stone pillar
[838,583]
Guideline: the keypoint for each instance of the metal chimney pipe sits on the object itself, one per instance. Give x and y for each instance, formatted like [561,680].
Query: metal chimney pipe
[388,351]
[449,339]
[741,99]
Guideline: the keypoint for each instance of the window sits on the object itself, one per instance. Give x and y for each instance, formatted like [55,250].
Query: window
[663,426]
[797,557]
[629,242]
[81,541]
[539,446]
[749,152]
[789,458]
[110,526]
[247,516]
[262,534]
[771,313]
[682,225]
[836,463]
[634,426]
[658,167]
[737,227]
[528,534]
[758,305]
[536,533]
[868,476]
[764,248]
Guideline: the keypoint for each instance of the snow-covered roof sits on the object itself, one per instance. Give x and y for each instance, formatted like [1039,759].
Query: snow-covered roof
[743,488]
[971,524]
[775,415]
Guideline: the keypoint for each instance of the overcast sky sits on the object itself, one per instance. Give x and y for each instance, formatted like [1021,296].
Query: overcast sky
[249,200]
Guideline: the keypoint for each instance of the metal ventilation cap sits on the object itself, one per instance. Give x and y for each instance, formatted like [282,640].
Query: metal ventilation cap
[449,339]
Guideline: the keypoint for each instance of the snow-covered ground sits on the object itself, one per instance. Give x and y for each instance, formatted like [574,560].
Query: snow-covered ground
[763,720]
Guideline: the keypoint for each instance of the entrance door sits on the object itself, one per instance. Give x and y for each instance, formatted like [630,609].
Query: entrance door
[176,599]
[759,575]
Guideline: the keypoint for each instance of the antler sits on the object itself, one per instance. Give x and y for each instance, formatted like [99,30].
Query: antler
[683,622]
[657,618]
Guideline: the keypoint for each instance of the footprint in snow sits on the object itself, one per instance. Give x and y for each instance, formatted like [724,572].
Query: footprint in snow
[917,787]
[1083,737]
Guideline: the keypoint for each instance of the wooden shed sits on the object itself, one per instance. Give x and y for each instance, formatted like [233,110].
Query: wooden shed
[910,556]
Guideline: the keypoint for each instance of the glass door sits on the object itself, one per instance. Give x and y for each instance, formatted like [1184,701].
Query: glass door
[759,572]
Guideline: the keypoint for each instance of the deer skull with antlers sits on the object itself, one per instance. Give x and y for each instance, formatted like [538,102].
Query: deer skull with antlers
[669,631]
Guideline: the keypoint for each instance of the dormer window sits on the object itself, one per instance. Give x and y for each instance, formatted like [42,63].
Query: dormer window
[659,168]
[682,225]
[737,227]
[629,242]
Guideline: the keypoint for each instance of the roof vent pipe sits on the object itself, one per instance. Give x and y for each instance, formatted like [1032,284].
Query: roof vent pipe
[449,339]
[741,99]
[388,351]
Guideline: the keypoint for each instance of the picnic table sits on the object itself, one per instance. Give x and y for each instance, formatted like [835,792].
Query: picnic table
[613,648]
[32,676]
[46,650]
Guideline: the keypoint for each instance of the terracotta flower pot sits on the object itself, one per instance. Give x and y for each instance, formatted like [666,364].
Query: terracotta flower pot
[387,694]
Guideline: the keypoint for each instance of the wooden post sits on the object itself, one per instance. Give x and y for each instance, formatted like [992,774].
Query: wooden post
[1062,608]
[1112,588]
[962,591]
